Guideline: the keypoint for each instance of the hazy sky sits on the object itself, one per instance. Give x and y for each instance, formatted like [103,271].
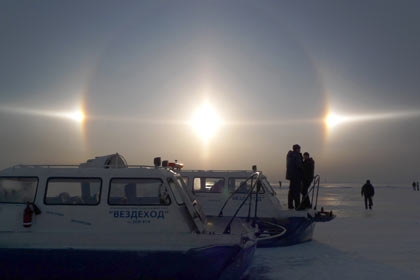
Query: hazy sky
[268,71]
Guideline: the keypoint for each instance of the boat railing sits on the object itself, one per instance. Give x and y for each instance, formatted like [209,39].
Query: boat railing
[314,191]
[45,166]
[217,170]
[255,184]
[78,166]
[273,236]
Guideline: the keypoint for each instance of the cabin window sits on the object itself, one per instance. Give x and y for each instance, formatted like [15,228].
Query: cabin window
[18,189]
[209,185]
[143,191]
[73,191]
[242,185]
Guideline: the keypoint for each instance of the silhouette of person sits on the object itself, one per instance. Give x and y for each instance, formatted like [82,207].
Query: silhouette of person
[414,186]
[308,177]
[294,173]
[368,192]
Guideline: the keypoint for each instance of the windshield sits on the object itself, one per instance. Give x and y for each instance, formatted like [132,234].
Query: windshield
[267,185]
[181,182]
[196,205]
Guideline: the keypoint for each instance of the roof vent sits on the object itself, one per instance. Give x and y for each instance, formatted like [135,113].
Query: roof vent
[109,161]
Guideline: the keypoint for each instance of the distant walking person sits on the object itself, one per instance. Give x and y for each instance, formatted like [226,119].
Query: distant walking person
[294,173]
[417,185]
[414,186]
[368,191]
[308,177]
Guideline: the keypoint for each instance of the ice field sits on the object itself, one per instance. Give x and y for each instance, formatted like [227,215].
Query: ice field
[382,243]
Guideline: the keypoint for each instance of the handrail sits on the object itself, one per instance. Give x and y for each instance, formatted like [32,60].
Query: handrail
[258,183]
[78,166]
[315,184]
[283,232]
[253,186]
[235,192]
[216,171]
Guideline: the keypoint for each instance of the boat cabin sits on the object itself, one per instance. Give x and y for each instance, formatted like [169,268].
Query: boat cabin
[213,188]
[105,219]
[72,197]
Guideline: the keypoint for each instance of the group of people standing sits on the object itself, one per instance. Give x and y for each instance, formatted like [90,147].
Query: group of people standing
[300,173]
[415,186]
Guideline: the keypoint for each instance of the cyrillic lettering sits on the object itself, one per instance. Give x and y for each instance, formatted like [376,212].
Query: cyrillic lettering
[161,215]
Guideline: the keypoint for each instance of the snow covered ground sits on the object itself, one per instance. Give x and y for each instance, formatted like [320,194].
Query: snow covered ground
[383,243]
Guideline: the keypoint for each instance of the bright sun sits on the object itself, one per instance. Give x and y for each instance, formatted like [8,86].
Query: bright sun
[77,116]
[206,121]
[333,120]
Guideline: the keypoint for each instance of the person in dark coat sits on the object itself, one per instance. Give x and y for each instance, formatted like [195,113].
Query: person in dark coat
[368,191]
[294,173]
[308,177]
